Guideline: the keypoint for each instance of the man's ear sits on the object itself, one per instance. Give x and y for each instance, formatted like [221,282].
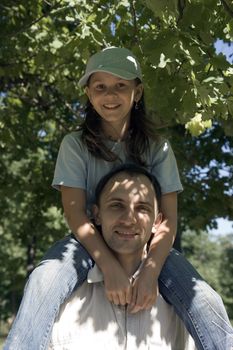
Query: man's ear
[157,222]
[95,210]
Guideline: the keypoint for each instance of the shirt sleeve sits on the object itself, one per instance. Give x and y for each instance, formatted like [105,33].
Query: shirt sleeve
[164,167]
[71,169]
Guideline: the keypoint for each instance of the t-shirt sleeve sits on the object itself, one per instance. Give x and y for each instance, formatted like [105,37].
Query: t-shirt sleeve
[164,167]
[70,169]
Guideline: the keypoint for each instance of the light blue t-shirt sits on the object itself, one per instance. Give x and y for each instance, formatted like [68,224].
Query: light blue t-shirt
[77,167]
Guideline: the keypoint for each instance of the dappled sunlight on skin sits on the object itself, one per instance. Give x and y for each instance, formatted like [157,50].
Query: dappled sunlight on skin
[130,183]
[127,212]
[134,190]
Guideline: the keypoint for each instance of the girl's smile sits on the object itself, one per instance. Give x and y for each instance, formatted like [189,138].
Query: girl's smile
[113,98]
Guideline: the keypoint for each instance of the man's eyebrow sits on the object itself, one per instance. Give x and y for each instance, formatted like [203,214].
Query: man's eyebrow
[118,199]
[115,199]
[145,203]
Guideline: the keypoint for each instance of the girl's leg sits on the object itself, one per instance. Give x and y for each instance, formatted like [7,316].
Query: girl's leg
[63,268]
[197,304]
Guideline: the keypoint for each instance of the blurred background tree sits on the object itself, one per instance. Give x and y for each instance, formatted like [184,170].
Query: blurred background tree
[44,45]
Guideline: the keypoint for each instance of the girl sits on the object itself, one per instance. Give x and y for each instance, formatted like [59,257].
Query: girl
[116,130]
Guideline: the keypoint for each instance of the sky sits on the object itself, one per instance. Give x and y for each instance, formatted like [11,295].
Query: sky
[224,227]
[227,50]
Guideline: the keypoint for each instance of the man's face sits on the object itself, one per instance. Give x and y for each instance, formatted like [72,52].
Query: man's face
[127,212]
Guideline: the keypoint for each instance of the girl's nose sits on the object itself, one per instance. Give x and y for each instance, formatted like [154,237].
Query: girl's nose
[111,90]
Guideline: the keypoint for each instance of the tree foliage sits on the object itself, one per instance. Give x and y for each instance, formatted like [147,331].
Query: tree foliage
[44,45]
[226,270]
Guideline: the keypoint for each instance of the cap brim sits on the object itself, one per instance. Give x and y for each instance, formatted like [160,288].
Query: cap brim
[117,72]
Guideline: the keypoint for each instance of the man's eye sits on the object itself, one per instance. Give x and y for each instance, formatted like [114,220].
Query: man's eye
[116,205]
[144,209]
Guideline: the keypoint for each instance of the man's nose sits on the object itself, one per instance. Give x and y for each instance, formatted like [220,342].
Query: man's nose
[129,216]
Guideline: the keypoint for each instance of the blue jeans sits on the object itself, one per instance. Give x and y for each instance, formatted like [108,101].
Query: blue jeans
[65,267]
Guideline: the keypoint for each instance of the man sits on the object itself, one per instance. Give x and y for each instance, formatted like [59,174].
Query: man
[127,210]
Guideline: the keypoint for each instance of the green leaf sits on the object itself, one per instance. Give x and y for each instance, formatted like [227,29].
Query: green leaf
[197,125]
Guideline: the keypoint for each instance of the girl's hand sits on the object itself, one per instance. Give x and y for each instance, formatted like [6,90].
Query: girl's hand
[118,288]
[145,291]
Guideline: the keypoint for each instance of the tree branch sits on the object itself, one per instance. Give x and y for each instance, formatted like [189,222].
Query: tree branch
[23,29]
[133,11]
[181,6]
[227,7]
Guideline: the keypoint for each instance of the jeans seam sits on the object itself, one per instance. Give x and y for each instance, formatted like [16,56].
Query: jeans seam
[56,310]
[190,315]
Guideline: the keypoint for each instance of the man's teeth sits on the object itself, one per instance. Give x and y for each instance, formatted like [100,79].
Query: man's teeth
[126,233]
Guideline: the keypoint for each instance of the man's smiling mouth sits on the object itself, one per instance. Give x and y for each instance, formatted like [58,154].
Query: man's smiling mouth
[126,234]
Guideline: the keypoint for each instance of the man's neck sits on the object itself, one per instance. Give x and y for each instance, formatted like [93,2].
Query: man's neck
[131,262]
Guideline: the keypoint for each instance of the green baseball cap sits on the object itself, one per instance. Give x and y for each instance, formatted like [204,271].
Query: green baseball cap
[114,60]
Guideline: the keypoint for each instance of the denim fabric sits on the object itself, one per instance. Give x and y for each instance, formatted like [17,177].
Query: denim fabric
[197,304]
[65,267]
[48,286]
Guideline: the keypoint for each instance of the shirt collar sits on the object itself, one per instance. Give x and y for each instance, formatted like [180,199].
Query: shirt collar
[95,275]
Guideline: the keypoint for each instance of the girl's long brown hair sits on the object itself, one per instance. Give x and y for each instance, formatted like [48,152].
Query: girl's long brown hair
[141,129]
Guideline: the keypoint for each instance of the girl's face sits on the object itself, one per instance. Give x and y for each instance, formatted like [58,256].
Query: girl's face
[113,98]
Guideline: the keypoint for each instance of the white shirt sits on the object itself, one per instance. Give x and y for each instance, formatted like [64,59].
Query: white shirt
[89,321]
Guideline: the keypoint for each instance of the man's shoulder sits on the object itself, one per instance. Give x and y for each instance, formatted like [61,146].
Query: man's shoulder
[95,275]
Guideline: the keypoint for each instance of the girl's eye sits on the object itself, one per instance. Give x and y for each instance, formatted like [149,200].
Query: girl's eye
[100,87]
[121,85]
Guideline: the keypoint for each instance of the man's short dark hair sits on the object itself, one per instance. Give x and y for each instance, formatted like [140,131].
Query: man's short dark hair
[131,169]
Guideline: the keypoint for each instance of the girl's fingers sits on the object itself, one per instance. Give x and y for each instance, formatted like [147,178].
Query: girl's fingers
[141,303]
[147,304]
[134,300]
[134,297]
[114,299]
[121,297]
[124,297]
[129,295]
[132,304]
